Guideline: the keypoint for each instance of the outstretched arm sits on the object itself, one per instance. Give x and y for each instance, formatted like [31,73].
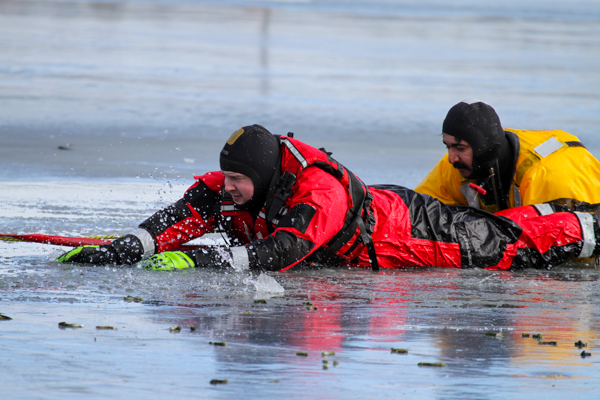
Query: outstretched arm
[188,218]
[317,211]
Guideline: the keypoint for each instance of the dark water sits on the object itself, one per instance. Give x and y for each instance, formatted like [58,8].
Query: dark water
[141,96]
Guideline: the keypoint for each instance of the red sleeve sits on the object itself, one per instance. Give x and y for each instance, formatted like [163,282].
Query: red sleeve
[190,217]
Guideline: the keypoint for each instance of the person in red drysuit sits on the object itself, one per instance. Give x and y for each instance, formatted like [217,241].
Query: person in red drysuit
[283,202]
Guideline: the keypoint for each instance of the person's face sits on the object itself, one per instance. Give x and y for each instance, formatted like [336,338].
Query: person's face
[239,186]
[460,154]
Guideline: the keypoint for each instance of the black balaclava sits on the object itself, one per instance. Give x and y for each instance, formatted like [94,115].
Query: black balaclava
[477,123]
[252,151]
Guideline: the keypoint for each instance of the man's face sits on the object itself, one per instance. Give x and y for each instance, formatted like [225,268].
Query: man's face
[239,186]
[460,154]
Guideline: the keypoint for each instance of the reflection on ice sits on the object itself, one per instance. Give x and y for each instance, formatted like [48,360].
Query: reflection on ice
[438,315]
[147,88]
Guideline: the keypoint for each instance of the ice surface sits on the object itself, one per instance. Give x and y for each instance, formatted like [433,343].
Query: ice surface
[109,108]
[437,314]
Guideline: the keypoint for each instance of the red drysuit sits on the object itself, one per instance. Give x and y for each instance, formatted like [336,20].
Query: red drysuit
[408,229]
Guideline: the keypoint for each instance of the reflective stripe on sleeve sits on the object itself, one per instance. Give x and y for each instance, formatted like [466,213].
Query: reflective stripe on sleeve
[295,152]
[241,261]
[587,232]
[147,241]
[544,209]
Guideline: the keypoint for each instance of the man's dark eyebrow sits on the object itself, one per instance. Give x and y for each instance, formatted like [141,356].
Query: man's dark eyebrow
[461,143]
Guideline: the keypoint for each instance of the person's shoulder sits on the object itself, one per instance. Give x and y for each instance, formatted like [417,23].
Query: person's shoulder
[214,180]
[443,173]
[316,175]
[315,182]
[532,138]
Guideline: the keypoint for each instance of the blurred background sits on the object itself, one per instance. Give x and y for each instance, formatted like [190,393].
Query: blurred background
[151,89]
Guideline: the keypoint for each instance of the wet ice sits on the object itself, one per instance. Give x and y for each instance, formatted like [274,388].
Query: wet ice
[144,93]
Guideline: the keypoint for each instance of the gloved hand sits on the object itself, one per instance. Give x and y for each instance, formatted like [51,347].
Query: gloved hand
[212,257]
[199,258]
[168,261]
[124,250]
[103,254]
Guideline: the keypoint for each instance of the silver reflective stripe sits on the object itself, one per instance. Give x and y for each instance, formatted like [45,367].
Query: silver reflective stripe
[470,195]
[548,147]
[295,152]
[517,195]
[227,207]
[544,209]
[587,231]
[241,262]
[147,241]
[275,221]
[247,231]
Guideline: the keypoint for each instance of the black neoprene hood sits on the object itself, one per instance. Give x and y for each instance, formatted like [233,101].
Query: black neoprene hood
[252,151]
[477,123]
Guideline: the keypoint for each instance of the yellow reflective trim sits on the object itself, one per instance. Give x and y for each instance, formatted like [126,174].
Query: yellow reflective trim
[235,136]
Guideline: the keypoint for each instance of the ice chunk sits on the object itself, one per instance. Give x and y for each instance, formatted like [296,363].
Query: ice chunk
[267,284]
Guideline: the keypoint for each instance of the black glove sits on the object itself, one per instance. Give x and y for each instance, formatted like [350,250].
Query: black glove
[210,257]
[124,250]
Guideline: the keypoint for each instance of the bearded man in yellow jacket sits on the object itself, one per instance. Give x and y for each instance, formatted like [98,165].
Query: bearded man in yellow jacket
[494,169]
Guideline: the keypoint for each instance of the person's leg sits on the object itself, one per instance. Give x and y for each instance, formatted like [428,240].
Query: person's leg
[549,240]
